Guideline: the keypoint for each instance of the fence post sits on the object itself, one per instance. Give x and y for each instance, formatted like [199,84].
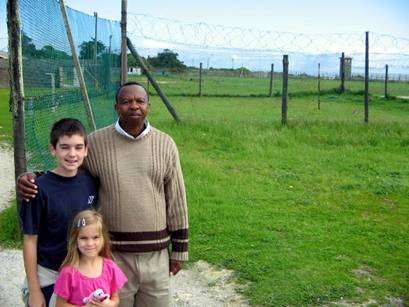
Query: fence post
[90,115]
[386,81]
[200,79]
[366,77]
[285,91]
[124,50]
[153,81]
[319,88]
[342,72]
[96,38]
[16,91]
[271,80]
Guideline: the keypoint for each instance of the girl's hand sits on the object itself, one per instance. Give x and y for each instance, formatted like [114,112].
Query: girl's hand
[109,303]
[105,303]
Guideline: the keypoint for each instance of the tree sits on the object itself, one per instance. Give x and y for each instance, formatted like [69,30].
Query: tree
[28,48]
[167,60]
[87,49]
[49,52]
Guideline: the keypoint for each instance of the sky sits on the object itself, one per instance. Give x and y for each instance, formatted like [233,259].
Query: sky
[305,16]
[299,16]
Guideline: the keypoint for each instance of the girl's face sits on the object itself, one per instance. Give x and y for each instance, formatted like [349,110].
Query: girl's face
[90,240]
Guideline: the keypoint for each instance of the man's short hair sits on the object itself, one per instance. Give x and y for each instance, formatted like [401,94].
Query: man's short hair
[67,127]
[130,83]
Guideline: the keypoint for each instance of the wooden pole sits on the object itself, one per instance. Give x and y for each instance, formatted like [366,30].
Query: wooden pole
[342,72]
[285,91]
[16,91]
[200,79]
[83,87]
[270,94]
[366,119]
[96,38]
[124,50]
[319,87]
[386,81]
[153,82]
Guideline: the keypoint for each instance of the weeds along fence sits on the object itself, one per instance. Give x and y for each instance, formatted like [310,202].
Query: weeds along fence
[51,84]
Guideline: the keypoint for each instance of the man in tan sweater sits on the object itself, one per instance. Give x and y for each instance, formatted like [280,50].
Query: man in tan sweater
[142,197]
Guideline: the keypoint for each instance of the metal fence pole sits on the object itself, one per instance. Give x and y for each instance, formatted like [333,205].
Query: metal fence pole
[200,79]
[386,81]
[90,115]
[124,49]
[366,77]
[342,72]
[271,80]
[319,88]
[285,91]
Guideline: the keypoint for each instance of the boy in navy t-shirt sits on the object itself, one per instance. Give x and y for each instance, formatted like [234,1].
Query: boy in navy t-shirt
[62,193]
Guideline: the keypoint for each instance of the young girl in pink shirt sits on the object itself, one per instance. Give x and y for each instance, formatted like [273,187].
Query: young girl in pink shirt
[88,276]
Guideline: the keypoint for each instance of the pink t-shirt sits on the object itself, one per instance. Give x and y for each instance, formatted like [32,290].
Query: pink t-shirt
[74,287]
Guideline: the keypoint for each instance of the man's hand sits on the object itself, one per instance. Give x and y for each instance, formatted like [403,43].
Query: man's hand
[175,266]
[36,299]
[26,186]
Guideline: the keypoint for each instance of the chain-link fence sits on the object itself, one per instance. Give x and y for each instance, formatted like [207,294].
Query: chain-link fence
[52,89]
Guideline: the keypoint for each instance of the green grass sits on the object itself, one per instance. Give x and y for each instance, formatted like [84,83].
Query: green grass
[295,211]
[9,229]
[5,117]
[188,84]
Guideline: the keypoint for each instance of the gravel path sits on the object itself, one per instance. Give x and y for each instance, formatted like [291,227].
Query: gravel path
[200,285]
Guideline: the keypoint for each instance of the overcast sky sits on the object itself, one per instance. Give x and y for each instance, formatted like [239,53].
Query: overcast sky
[299,16]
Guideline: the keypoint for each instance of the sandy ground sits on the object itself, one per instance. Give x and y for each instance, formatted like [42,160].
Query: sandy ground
[200,285]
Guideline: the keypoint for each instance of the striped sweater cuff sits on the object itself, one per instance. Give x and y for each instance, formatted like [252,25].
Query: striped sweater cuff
[180,240]
[184,256]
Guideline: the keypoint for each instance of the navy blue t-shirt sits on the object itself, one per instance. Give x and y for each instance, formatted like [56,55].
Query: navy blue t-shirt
[50,214]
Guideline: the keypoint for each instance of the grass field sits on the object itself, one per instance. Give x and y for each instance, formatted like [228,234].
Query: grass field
[307,214]
[254,86]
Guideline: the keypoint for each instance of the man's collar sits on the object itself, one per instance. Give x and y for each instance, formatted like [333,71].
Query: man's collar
[145,131]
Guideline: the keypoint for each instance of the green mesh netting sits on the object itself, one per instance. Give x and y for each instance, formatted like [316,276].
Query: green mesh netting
[50,81]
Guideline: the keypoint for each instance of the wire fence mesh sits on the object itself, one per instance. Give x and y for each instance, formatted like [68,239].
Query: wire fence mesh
[236,62]
[51,82]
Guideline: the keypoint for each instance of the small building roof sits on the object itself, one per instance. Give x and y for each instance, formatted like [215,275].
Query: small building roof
[4,55]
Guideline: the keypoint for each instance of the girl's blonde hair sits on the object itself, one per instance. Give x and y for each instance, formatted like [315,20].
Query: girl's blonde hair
[82,219]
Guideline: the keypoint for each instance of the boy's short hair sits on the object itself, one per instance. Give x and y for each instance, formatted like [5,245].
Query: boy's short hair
[67,127]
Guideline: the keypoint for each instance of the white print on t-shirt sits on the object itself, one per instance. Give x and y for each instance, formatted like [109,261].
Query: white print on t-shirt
[90,199]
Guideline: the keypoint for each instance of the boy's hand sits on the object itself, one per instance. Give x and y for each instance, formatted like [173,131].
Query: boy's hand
[175,266]
[36,299]
[26,186]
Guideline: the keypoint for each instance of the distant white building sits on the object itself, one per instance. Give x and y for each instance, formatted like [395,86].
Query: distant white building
[134,71]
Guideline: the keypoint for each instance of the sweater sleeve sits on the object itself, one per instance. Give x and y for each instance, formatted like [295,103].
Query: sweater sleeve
[176,208]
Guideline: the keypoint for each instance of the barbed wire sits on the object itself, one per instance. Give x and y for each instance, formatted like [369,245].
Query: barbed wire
[201,41]
[217,36]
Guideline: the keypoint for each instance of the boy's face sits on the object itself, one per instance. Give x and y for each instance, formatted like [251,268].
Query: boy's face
[70,152]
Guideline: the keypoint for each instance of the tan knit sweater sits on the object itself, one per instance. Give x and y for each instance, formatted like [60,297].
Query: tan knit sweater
[142,193]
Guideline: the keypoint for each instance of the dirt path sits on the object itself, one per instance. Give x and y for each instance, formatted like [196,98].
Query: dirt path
[200,285]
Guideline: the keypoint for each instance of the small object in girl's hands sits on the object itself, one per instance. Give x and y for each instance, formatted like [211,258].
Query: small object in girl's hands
[97,294]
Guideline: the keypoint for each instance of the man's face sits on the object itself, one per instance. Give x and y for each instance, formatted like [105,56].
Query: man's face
[132,105]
